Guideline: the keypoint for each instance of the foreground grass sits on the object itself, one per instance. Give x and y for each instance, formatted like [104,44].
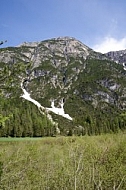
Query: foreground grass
[64,163]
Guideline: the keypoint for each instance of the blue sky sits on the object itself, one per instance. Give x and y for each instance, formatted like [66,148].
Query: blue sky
[100,24]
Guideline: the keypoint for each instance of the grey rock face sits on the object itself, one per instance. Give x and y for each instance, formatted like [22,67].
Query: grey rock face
[117,56]
[53,50]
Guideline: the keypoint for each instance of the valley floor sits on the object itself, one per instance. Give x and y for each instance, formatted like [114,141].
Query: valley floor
[66,163]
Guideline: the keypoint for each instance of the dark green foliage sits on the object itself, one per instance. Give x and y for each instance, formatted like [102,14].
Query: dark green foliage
[25,121]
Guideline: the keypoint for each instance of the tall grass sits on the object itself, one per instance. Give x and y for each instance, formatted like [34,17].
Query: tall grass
[64,163]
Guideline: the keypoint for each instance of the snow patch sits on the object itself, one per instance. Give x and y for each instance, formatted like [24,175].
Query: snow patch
[124,66]
[26,96]
[58,111]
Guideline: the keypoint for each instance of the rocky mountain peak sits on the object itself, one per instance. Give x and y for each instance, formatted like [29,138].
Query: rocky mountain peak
[52,50]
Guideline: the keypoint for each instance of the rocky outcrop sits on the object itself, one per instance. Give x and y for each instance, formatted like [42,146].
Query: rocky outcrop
[117,56]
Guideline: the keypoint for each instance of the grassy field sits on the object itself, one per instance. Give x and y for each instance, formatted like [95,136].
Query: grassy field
[63,163]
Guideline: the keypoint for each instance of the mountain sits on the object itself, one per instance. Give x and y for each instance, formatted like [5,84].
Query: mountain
[77,90]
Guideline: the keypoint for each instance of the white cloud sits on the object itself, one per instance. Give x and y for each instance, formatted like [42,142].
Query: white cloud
[110,44]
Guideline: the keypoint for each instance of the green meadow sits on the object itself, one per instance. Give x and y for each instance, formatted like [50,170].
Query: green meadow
[63,163]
